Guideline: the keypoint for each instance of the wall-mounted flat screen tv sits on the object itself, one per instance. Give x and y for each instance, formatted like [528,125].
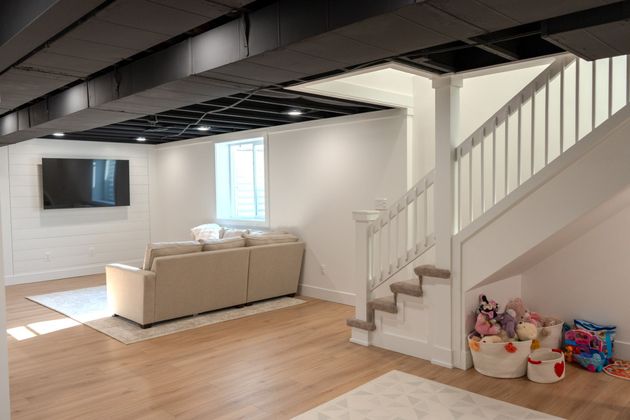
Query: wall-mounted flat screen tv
[78,183]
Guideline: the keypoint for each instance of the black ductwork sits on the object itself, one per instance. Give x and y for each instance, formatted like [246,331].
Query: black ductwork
[245,54]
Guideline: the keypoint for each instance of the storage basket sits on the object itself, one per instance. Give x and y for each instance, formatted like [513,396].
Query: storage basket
[546,366]
[500,360]
[553,337]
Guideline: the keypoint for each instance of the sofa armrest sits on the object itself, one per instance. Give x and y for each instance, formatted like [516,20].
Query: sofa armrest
[131,293]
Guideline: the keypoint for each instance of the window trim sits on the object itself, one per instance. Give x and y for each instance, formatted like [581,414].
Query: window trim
[239,222]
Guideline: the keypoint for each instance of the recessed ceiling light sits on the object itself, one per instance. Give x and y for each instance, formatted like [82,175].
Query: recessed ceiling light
[141,138]
[58,134]
[203,128]
[294,112]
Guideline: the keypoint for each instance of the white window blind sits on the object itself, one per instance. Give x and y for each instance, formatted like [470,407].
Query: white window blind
[241,180]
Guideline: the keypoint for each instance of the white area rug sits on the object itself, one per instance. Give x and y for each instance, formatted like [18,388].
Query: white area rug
[89,306]
[401,396]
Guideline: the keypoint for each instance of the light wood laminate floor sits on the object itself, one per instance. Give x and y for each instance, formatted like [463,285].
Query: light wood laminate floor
[269,366]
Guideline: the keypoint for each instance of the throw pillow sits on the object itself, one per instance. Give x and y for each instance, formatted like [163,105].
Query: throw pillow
[234,233]
[207,232]
[225,243]
[162,249]
[270,238]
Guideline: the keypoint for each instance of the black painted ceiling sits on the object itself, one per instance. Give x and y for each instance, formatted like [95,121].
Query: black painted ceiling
[114,70]
[256,110]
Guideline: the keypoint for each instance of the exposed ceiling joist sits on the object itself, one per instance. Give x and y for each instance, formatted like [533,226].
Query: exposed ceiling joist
[242,56]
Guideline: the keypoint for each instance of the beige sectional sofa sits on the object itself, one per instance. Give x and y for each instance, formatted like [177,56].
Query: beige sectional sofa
[200,281]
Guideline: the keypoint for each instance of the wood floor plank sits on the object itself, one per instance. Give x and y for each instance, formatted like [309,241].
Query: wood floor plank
[273,365]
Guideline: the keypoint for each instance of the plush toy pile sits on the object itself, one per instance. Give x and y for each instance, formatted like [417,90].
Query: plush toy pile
[515,323]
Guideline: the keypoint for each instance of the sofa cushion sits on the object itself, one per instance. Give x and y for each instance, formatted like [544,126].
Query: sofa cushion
[269,238]
[207,232]
[225,243]
[234,233]
[162,249]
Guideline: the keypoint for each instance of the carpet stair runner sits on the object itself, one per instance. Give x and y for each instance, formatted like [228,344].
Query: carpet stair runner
[390,303]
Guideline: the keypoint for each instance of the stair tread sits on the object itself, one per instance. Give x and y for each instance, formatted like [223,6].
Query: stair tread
[359,323]
[385,304]
[432,271]
[410,288]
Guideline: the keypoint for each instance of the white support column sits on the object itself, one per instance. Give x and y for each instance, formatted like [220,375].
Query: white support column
[446,127]
[411,149]
[362,219]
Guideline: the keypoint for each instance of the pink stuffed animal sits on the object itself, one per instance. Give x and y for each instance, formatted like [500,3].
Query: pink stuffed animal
[487,319]
[517,305]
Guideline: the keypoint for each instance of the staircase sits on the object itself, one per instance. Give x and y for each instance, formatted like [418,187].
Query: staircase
[389,304]
[553,122]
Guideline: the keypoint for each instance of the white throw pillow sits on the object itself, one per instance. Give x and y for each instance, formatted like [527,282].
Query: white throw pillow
[269,238]
[207,232]
[225,243]
[234,233]
[162,249]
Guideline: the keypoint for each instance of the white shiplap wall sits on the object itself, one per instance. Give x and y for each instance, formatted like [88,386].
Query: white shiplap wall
[51,244]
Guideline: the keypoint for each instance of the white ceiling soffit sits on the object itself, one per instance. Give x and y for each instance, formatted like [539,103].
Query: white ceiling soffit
[388,84]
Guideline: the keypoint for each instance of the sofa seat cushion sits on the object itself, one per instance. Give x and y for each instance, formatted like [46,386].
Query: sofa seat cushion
[225,243]
[269,238]
[163,249]
[207,232]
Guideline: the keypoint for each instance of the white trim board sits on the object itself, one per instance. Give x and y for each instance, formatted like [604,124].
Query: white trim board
[84,270]
[410,346]
[337,296]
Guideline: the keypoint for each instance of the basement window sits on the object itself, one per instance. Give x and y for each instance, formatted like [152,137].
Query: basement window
[241,181]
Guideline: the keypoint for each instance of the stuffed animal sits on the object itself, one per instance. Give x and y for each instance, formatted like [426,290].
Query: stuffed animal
[518,306]
[504,337]
[526,331]
[487,318]
[533,318]
[508,322]
[492,339]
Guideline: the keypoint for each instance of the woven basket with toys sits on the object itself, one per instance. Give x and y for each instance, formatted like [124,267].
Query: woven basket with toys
[502,342]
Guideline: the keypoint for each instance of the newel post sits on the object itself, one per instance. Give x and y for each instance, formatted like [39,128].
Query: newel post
[446,137]
[362,220]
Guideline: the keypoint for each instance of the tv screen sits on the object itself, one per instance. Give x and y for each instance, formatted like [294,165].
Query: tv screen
[77,183]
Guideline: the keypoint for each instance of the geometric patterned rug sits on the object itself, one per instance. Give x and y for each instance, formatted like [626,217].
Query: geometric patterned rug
[401,396]
[89,306]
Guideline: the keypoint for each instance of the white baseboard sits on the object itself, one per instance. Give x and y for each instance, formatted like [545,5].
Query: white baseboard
[360,337]
[331,295]
[622,350]
[61,273]
[442,356]
[406,345]
[467,360]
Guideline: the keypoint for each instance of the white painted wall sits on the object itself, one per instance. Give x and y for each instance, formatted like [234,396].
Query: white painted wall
[79,241]
[588,278]
[482,96]
[318,174]
[185,196]
[5,411]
